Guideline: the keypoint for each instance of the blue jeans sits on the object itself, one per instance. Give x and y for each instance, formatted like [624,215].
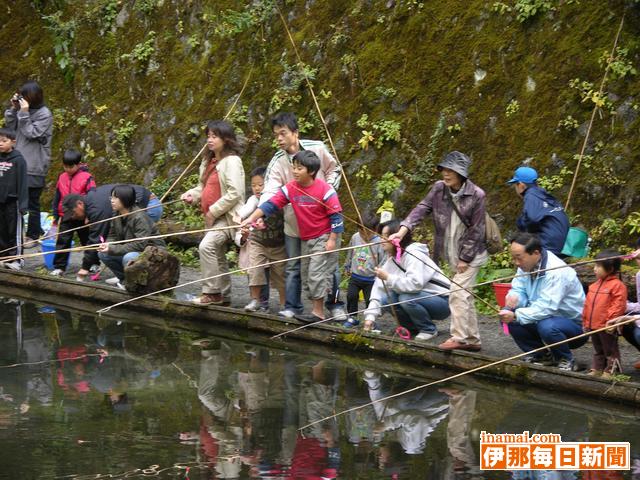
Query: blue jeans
[545,332]
[116,263]
[154,213]
[292,280]
[416,314]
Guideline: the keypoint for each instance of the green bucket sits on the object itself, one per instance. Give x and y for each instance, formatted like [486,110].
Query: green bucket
[577,243]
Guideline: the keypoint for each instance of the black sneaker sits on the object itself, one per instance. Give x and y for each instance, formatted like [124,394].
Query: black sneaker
[545,359]
[308,318]
[567,365]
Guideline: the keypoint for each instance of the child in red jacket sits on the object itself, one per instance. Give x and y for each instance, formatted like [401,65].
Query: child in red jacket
[606,299]
[75,179]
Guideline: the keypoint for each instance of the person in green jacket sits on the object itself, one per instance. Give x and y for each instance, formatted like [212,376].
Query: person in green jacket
[136,225]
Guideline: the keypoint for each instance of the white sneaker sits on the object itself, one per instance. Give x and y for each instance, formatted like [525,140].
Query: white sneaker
[15,265]
[56,272]
[252,306]
[423,336]
[286,313]
[339,314]
[120,286]
[112,281]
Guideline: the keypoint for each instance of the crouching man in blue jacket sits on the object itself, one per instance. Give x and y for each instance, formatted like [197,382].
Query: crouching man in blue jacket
[544,307]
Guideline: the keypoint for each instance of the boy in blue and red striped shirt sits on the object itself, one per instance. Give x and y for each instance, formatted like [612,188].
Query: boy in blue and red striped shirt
[319,214]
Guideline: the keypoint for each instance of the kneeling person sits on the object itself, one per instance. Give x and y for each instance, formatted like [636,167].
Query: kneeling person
[137,225]
[415,280]
[544,307]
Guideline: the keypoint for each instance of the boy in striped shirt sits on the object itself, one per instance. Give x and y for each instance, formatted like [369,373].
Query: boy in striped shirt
[319,215]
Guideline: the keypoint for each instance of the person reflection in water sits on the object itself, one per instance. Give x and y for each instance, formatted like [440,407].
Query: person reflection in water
[462,406]
[412,417]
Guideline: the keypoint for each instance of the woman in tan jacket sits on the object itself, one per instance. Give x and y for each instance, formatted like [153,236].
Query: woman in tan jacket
[220,193]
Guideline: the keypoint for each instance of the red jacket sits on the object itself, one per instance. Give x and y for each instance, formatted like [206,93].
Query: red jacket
[606,299]
[80,183]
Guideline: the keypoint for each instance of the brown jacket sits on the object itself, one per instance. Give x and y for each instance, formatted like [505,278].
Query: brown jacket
[439,204]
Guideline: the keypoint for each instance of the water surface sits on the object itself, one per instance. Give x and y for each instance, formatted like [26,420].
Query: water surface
[94,397]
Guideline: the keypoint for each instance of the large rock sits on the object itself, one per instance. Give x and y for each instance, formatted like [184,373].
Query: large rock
[155,269]
[166,226]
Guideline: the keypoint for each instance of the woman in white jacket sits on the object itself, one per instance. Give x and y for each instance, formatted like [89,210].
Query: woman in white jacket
[413,278]
[220,194]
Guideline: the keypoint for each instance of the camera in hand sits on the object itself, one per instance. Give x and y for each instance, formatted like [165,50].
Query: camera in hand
[17,97]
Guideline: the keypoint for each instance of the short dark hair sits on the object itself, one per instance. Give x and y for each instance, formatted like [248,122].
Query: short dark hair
[285,119]
[126,194]
[70,202]
[71,157]
[258,172]
[529,241]
[370,221]
[32,92]
[394,227]
[8,132]
[611,265]
[309,160]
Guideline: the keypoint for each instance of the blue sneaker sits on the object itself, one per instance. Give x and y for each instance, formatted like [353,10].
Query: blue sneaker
[351,322]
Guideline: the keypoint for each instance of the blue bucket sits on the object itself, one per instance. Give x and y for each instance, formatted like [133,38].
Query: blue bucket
[49,245]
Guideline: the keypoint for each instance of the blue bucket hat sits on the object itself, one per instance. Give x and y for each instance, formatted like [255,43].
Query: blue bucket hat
[524,175]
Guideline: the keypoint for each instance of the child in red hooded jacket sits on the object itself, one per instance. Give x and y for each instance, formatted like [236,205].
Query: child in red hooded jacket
[606,299]
[75,179]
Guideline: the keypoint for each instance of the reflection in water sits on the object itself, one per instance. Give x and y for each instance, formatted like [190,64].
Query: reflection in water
[96,398]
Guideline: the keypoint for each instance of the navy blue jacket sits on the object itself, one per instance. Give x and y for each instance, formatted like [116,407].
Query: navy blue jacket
[544,216]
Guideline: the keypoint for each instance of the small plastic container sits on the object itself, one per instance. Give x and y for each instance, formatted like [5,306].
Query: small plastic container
[49,245]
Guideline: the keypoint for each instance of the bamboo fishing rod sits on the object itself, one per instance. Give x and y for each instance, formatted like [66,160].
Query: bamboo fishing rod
[481,284]
[593,114]
[116,242]
[229,112]
[333,148]
[97,222]
[473,370]
[239,270]
[322,119]
[162,202]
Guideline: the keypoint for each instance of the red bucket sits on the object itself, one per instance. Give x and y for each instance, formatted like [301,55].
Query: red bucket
[500,290]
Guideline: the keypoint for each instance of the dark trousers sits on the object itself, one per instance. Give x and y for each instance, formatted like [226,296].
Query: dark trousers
[606,354]
[333,297]
[10,229]
[353,293]
[34,230]
[531,336]
[64,241]
[631,333]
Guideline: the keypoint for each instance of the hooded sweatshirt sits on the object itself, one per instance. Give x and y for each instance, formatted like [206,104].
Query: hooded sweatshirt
[415,273]
[33,138]
[13,179]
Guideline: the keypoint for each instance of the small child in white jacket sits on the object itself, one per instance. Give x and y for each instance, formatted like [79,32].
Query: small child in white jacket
[261,246]
[413,279]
